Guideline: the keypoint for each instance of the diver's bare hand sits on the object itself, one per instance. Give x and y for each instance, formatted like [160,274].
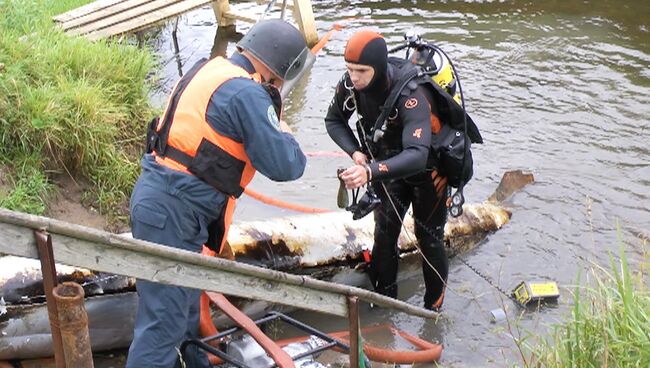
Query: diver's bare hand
[359,158]
[354,176]
[285,127]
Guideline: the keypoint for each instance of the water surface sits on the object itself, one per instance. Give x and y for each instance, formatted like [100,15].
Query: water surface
[558,88]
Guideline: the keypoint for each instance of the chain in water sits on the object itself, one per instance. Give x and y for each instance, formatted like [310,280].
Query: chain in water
[487,279]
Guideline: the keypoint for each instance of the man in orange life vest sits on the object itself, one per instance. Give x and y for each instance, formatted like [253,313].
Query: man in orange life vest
[400,166]
[220,125]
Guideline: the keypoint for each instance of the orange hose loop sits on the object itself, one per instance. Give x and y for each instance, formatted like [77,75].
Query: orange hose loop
[278,203]
[429,352]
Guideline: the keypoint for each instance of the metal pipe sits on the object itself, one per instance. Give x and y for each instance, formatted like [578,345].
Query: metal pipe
[73,323]
[48,269]
[353,318]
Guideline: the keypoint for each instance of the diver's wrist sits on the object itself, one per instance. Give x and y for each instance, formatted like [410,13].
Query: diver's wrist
[368,172]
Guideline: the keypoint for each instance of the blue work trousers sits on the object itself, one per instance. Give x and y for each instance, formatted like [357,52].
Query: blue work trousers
[167,315]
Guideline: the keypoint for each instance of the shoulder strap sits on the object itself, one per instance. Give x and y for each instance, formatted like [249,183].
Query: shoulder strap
[402,82]
[167,120]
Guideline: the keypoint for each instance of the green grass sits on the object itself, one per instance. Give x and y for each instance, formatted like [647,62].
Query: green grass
[77,107]
[609,324]
[28,185]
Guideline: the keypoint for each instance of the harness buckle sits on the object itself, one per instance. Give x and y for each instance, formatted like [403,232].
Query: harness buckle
[153,139]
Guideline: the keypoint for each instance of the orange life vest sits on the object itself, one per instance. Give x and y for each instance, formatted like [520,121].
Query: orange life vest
[183,139]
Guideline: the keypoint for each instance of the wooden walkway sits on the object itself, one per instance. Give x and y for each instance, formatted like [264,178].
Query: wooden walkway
[107,18]
[105,252]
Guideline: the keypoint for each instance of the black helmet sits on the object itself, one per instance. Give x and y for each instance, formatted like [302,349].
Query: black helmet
[278,45]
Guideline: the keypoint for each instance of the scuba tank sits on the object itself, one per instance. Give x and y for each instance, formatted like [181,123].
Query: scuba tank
[438,64]
[453,141]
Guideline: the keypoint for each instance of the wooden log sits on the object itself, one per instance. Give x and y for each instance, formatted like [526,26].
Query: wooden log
[320,239]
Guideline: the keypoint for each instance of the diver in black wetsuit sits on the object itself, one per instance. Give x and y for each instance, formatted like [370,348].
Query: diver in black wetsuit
[400,166]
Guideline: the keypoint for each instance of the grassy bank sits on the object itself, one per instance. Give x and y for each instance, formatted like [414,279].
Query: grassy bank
[609,324]
[67,106]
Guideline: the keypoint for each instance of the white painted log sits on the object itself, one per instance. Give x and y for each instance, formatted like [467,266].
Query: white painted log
[321,239]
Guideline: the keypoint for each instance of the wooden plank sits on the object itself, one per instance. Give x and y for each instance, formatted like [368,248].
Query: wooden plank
[84,10]
[166,270]
[232,15]
[113,15]
[304,16]
[91,248]
[147,20]
[220,8]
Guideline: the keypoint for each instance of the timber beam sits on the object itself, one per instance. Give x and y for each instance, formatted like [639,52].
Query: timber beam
[106,252]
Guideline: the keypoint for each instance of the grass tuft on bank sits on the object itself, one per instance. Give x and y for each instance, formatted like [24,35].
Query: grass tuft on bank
[68,106]
[609,324]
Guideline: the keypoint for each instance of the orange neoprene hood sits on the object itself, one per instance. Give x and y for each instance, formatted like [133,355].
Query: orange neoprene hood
[364,47]
[367,47]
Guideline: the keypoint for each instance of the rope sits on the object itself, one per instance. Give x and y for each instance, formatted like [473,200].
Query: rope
[282,204]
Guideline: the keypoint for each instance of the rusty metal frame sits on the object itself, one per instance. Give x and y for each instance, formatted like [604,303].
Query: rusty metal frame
[48,269]
[353,320]
[205,345]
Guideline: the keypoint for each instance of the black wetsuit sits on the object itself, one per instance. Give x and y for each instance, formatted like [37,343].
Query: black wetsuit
[402,165]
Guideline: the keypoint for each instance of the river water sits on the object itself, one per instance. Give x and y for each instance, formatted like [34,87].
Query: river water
[558,88]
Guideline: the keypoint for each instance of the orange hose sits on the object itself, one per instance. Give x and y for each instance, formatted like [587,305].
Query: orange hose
[429,352]
[206,326]
[323,41]
[278,203]
[279,356]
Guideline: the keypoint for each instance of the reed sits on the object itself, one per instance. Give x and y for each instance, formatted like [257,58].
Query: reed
[78,107]
[609,324]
